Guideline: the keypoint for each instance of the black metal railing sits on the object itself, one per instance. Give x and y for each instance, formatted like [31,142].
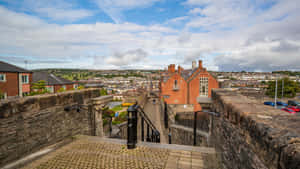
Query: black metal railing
[152,134]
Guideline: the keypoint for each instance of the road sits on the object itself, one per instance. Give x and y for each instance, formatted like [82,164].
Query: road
[153,112]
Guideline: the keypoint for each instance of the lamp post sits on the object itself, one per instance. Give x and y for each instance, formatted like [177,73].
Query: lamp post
[132,127]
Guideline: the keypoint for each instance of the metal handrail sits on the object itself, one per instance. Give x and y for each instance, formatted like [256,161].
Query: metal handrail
[145,116]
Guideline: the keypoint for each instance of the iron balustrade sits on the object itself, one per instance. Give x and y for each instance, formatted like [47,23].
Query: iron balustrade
[152,134]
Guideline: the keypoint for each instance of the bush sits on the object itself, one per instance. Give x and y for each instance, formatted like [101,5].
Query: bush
[61,90]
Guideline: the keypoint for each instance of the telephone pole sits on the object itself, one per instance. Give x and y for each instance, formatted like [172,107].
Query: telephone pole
[276,94]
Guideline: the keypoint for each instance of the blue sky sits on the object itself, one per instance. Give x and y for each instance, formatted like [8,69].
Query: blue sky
[228,35]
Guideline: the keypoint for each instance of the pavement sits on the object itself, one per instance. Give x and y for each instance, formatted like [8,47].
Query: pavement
[88,152]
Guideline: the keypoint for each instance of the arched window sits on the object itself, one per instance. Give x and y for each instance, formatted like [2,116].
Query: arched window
[175,87]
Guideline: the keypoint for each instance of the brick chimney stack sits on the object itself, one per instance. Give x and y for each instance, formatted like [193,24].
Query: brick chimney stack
[171,68]
[180,69]
[200,64]
[194,66]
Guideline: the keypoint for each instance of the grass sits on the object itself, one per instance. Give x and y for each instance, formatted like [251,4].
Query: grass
[117,108]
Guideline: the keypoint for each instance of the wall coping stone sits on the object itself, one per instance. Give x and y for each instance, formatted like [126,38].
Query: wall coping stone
[39,102]
[270,130]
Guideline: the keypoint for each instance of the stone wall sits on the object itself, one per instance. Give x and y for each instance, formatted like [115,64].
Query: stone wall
[187,119]
[250,135]
[185,136]
[31,123]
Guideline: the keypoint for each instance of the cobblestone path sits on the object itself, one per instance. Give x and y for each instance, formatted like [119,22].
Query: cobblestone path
[86,153]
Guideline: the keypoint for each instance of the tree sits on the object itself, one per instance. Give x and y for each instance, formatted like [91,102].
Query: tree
[61,90]
[1,95]
[38,88]
[290,88]
[40,85]
[103,92]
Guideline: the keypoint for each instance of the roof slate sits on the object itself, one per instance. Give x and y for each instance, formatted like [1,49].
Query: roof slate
[50,79]
[6,67]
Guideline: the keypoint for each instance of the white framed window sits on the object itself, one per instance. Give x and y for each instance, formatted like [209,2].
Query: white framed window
[25,79]
[203,86]
[64,87]
[2,78]
[75,86]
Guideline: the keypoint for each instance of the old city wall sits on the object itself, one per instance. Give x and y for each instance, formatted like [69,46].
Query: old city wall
[31,123]
[249,135]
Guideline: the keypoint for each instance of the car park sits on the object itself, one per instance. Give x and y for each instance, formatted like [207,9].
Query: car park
[295,108]
[289,110]
[293,103]
[269,103]
[281,104]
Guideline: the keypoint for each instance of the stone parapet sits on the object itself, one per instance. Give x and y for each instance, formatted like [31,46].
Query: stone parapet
[250,135]
[31,123]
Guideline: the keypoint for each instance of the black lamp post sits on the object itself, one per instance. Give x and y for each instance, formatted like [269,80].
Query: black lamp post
[132,127]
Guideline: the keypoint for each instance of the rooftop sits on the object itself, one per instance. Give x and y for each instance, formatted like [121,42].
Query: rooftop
[50,79]
[6,67]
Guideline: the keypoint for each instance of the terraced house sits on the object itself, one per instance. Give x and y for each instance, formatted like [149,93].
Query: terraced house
[54,83]
[190,86]
[14,81]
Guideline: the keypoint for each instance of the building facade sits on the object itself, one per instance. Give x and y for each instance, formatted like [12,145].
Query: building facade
[54,83]
[186,86]
[14,81]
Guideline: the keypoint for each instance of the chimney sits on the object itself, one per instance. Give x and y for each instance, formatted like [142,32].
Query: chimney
[180,69]
[194,66]
[171,68]
[200,64]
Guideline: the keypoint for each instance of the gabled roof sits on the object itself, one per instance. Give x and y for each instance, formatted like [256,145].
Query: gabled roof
[50,79]
[6,67]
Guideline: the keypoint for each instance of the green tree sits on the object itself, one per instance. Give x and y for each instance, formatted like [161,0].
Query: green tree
[40,85]
[38,88]
[290,88]
[1,95]
[61,90]
[103,92]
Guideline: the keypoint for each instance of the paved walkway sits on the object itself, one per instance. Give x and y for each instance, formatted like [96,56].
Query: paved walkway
[88,152]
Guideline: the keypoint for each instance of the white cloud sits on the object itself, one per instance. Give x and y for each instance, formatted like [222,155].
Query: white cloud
[56,10]
[114,8]
[257,41]
[128,57]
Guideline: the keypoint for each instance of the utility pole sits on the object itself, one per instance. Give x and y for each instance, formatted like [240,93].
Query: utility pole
[276,94]
[282,89]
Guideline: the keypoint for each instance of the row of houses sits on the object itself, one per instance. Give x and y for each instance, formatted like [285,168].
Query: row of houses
[17,82]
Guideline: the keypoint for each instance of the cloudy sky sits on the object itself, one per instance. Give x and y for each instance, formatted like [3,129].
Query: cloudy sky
[228,35]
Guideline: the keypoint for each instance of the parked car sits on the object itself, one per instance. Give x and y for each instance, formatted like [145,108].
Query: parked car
[293,103]
[280,107]
[269,103]
[295,108]
[289,110]
[281,104]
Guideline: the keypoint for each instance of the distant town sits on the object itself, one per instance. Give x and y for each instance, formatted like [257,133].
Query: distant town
[119,83]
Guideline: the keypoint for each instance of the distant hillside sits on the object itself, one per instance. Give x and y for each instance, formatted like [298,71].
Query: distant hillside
[84,74]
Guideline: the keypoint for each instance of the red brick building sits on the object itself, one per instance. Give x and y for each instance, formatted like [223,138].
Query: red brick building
[187,86]
[14,81]
[54,83]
